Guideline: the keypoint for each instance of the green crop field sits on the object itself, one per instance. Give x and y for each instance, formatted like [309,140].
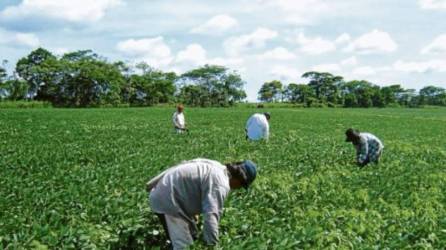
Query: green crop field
[75,178]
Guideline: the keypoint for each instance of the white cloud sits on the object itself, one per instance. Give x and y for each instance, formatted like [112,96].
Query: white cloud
[230,62]
[351,61]
[278,53]
[364,71]
[343,38]
[435,65]
[285,73]
[26,39]
[330,67]
[227,62]
[152,50]
[299,12]
[69,10]
[216,25]
[194,53]
[432,4]
[257,39]
[437,46]
[13,39]
[314,46]
[375,41]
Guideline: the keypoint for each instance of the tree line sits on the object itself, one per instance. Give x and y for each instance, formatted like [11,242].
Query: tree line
[325,89]
[85,79]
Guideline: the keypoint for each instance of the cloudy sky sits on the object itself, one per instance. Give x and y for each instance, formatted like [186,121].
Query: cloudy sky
[383,41]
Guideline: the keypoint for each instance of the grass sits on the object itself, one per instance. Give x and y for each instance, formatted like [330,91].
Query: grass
[74,178]
[24,104]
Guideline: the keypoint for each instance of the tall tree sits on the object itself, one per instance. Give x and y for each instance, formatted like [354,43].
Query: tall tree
[39,69]
[406,98]
[194,95]
[325,85]
[432,95]
[16,89]
[357,93]
[152,87]
[3,73]
[271,91]
[223,87]
[298,93]
[391,93]
[88,80]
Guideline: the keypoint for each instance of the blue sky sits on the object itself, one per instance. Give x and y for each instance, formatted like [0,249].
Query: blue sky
[385,42]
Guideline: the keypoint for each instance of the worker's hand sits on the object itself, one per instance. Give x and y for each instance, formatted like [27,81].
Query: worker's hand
[197,218]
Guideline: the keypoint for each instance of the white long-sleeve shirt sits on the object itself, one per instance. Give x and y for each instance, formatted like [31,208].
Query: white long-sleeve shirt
[257,127]
[178,120]
[199,186]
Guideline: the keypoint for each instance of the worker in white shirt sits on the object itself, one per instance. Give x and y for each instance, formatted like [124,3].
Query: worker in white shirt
[194,187]
[257,126]
[178,120]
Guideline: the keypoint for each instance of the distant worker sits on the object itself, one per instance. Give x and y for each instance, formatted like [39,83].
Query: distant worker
[179,122]
[199,186]
[368,147]
[257,126]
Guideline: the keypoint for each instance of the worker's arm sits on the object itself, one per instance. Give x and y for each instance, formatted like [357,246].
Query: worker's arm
[363,152]
[266,131]
[152,183]
[212,209]
[175,121]
[210,231]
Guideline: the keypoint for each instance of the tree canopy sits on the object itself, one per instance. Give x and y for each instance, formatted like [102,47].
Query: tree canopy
[85,79]
[326,89]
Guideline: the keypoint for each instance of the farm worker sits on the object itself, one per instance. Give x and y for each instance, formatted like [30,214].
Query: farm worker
[195,187]
[368,147]
[257,126]
[179,122]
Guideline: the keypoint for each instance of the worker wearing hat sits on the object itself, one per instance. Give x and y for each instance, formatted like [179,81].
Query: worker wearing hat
[368,147]
[195,187]
[257,126]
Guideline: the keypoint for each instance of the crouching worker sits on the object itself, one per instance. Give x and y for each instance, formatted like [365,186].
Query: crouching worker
[257,127]
[368,147]
[195,187]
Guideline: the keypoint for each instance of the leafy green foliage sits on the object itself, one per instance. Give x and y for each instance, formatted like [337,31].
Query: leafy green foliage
[85,79]
[271,91]
[75,179]
[211,85]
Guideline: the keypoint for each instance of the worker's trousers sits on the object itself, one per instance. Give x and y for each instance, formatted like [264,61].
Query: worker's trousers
[178,230]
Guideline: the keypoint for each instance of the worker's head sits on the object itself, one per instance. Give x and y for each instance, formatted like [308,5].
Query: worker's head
[267,115]
[180,108]
[352,135]
[242,174]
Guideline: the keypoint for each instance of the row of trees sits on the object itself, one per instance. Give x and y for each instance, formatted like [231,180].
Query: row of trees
[332,90]
[84,79]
